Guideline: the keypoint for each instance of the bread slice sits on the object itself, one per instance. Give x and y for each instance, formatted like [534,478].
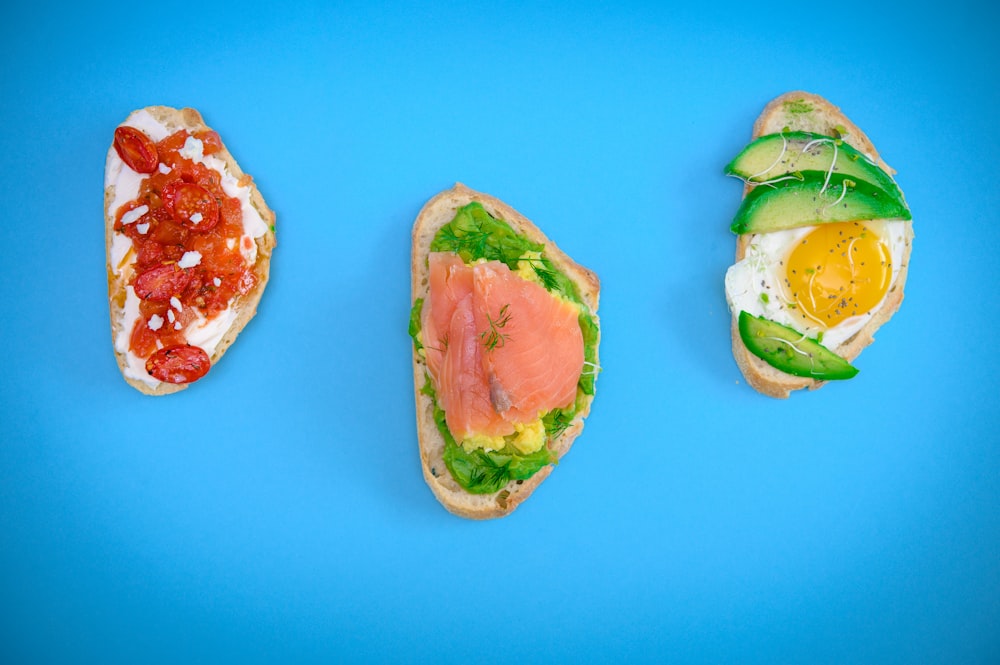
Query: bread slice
[439,211]
[164,121]
[803,111]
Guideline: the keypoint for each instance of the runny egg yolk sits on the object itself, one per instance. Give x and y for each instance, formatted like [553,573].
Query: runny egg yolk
[838,271]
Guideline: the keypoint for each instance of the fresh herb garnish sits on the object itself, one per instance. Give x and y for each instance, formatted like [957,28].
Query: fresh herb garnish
[493,338]
[556,421]
[546,275]
[553,279]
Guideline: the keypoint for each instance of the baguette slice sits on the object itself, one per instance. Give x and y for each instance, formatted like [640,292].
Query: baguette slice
[804,111]
[120,254]
[439,211]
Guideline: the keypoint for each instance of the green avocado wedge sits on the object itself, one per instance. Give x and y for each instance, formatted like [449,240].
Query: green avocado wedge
[811,200]
[777,155]
[790,351]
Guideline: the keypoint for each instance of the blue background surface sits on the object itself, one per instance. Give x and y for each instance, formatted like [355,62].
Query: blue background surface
[276,510]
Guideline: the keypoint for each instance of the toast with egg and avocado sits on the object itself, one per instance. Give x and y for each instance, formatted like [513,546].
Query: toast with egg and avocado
[505,351]
[823,247]
[188,241]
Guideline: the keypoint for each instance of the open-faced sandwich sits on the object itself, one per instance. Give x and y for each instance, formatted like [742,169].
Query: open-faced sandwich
[824,239]
[505,335]
[189,241]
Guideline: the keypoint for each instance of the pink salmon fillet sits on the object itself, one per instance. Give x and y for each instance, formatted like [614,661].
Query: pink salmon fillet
[501,350]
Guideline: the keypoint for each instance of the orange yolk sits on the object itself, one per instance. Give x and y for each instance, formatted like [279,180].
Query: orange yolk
[838,271]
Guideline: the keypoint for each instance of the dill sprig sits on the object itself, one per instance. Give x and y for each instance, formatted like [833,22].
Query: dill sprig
[493,338]
[444,345]
[491,472]
[553,279]
[472,241]
[556,422]
[545,272]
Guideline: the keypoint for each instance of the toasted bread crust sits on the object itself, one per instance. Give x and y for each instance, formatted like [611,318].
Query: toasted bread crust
[245,305]
[823,118]
[436,213]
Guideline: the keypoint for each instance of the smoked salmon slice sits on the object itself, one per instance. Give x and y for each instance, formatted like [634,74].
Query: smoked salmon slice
[501,350]
[451,281]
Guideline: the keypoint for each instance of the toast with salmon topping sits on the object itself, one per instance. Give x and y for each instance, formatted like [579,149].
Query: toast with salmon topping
[188,241]
[505,351]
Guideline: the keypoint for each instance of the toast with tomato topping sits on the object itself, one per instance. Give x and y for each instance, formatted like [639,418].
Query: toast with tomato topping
[505,335]
[188,241]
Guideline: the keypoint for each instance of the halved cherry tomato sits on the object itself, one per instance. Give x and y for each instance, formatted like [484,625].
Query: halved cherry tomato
[192,205]
[174,142]
[161,283]
[150,255]
[136,149]
[169,232]
[182,363]
[142,342]
[210,140]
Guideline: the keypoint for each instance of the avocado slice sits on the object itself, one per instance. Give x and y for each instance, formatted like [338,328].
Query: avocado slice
[776,155]
[790,351]
[807,199]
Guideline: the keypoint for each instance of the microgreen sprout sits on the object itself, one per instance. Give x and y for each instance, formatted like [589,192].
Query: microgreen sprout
[784,149]
[843,192]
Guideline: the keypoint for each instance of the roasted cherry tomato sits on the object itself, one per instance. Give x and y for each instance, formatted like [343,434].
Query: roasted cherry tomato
[136,149]
[192,205]
[182,363]
[169,231]
[149,255]
[210,140]
[142,342]
[161,283]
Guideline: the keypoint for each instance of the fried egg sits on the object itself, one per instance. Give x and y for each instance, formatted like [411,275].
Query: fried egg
[825,281]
